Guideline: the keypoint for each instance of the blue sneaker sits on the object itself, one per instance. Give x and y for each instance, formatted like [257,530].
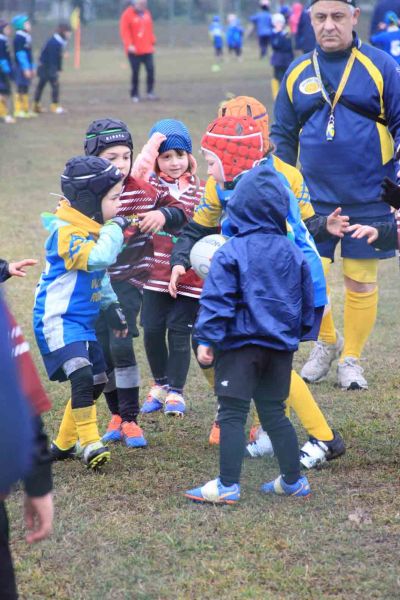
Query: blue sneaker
[133,435]
[174,404]
[278,486]
[113,432]
[155,399]
[215,492]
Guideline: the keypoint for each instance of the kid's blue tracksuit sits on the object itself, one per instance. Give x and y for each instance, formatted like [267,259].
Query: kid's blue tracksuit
[6,68]
[50,64]
[23,60]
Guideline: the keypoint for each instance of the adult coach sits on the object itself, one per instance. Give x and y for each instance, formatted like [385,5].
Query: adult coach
[338,106]
[136,29]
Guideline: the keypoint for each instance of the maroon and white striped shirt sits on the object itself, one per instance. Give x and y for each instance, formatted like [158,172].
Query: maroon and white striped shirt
[190,284]
[134,263]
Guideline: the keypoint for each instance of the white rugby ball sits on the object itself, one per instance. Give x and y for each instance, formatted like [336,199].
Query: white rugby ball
[203,251]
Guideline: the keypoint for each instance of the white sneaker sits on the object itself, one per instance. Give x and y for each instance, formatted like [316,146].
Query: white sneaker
[9,119]
[262,446]
[320,360]
[135,99]
[350,375]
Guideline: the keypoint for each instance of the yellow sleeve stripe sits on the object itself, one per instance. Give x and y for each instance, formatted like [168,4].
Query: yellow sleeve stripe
[293,76]
[375,74]
[386,140]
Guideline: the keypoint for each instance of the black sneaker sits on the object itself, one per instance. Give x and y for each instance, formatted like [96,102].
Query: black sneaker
[57,454]
[336,447]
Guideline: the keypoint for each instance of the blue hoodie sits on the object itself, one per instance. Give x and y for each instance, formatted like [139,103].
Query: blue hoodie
[259,289]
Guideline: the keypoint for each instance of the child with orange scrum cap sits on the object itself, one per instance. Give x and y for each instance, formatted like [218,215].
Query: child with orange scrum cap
[324,444]
[243,322]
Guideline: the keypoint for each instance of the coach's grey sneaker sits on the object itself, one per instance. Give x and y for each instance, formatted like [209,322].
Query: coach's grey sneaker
[320,360]
[350,375]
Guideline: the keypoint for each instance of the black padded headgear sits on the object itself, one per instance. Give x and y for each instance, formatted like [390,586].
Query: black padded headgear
[103,133]
[86,180]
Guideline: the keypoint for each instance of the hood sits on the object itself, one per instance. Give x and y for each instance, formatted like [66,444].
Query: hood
[260,202]
[66,215]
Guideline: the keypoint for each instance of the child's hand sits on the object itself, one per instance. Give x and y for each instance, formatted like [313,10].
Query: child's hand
[362,231]
[16,269]
[38,517]
[176,274]
[337,223]
[28,74]
[151,221]
[205,355]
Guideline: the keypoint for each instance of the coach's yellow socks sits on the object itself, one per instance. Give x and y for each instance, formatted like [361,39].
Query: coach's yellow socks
[360,311]
[86,424]
[67,433]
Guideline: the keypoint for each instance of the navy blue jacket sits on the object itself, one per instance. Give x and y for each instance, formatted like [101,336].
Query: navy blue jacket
[259,289]
[16,435]
[5,56]
[282,54]
[51,55]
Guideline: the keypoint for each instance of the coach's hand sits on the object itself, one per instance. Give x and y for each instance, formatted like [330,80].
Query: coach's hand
[176,274]
[336,223]
[205,355]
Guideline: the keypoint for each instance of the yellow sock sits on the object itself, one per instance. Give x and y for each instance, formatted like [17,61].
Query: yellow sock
[3,108]
[327,332]
[67,433]
[17,103]
[86,424]
[25,102]
[360,311]
[274,87]
[209,374]
[307,410]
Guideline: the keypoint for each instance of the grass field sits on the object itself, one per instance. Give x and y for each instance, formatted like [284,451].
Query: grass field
[128,533]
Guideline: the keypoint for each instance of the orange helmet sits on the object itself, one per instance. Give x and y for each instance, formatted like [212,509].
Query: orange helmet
[247,106]
[236,142]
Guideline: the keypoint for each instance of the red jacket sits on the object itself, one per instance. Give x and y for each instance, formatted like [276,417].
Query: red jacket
[136,30]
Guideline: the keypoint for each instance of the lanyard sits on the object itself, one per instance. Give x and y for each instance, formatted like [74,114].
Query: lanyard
[330,129]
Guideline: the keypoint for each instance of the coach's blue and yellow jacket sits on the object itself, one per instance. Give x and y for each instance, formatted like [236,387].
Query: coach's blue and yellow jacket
[74,284]
[259,289]
[348,170]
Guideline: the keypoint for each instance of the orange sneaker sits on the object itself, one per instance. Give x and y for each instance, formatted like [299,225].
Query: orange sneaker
[113,433]
[213,439]
[133,435]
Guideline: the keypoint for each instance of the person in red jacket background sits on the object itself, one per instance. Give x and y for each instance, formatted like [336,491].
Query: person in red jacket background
[136,29]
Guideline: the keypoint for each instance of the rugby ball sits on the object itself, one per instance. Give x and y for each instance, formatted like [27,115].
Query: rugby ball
[203,251]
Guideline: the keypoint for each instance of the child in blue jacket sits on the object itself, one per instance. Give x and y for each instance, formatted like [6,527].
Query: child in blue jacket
[50,65]
[234,35]
[24,65]
[282,51]
[6,72]
[252,316]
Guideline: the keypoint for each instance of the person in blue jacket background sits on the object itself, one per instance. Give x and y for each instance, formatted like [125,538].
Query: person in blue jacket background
[234,35]
[252,316]
[261,22]
[338,113]
[388,40]
[6,72]
[380,10]
[282,51]
[24,65]
[216,32]
[50,65]
[305,36]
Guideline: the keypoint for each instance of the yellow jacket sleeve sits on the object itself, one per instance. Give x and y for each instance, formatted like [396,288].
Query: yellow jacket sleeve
[209,211]
[74,247]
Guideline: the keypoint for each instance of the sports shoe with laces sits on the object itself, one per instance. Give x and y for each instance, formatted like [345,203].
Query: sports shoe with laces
[155,399]
[215,434]
[9,120]
[133,435]
[174,405]
[215,493]
[57,453]
[350,375]
[95,455]
[315,452]
[278,486]
[113,432]
[261,446]
[320,360]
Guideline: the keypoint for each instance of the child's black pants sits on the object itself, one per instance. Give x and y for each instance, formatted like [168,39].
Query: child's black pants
[264,375]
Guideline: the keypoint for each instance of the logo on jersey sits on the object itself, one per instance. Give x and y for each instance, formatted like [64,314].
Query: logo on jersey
[310,86]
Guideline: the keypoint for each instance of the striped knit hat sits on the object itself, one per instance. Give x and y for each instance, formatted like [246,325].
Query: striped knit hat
[236,142]
[177,134]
